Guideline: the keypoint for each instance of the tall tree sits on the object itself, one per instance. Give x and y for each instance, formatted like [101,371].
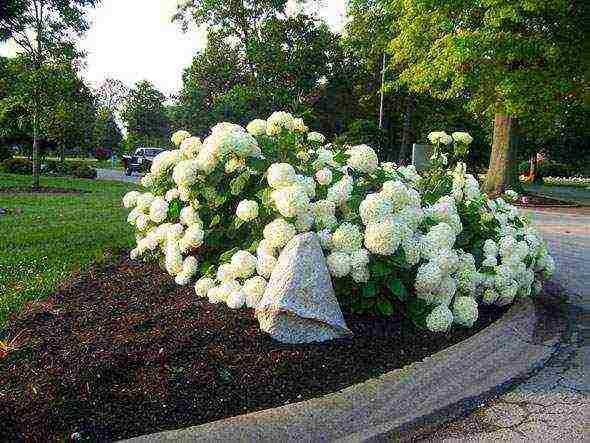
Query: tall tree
[145,116]
[111,94]
[106,131]
[509,58]
[44,30]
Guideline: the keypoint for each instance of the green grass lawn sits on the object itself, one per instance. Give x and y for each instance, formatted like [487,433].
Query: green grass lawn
[55,235]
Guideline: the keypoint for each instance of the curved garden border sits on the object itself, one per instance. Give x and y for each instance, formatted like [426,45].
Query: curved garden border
[445,385]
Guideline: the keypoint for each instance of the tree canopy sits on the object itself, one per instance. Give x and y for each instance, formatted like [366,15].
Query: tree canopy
[145,116]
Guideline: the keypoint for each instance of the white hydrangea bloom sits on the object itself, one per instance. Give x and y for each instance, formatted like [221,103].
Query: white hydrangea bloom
[179,136]
[383,237]
[203,285]
[265,248]
[172,194]
[244,264]
[465,311]
[142,222]
[389,167]
[190,147]
[193,236]
[164,162]
[190,266]
[206,160]
[173,258]
[340,191]
[440,137]
[144,201]
[411,246]
[247,210]
[462,137]
[265,264]
[226,288]
[290,200]
[278,121]
[254,289]
[428,279]
[338,264]
[174,232]
[360,274]
[363,159]
[257,127]
[440,319]
[241,143]
[324,157]
[280,175]
[130,199]
[279,232]
[375,208]
[359,258]
[213,295]
[189,216]
[440,236]
[447,260]
[185,173]
[308,184]
[409,173]
[316,137]
[236,299]
[158,210]
[347,238]
[324,212]
[324,176]
[227,271]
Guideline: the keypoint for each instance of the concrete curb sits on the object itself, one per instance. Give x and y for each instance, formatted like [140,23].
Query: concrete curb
[397,404]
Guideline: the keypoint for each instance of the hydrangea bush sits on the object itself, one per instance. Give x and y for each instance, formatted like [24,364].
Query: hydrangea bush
[217,212]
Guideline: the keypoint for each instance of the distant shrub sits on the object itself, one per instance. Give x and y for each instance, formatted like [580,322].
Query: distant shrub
[102,153]
[551,168]
[5,153]
[80,170]
[17,166]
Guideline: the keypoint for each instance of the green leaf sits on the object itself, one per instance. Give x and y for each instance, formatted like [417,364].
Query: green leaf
[174,209]
[238,223]
[238,184]
[385,308]
[398,289]
[380,269]
[227,255]
[215,221]
[209,193]
[370,290]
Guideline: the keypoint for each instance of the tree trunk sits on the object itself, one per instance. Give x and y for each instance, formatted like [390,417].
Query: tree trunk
[35,150]
[405,145]
[501,172]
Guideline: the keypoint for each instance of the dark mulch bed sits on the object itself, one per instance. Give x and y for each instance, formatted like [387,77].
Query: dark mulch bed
[123,351]
[539,201]
[41,190]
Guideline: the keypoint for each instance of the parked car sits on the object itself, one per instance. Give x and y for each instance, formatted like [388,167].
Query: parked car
[141,160]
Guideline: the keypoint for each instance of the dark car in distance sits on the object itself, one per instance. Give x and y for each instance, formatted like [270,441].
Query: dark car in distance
[141,160]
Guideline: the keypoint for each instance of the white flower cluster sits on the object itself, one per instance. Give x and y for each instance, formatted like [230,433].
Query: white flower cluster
[362,211]
[582,182]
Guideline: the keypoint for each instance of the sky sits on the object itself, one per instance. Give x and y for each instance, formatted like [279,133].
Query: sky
[133,40]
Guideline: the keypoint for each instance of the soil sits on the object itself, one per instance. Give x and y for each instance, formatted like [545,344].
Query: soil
[539,201]
[123,351]
[42,190]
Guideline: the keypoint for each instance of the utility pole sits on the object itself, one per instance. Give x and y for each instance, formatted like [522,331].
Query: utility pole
[382,93]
